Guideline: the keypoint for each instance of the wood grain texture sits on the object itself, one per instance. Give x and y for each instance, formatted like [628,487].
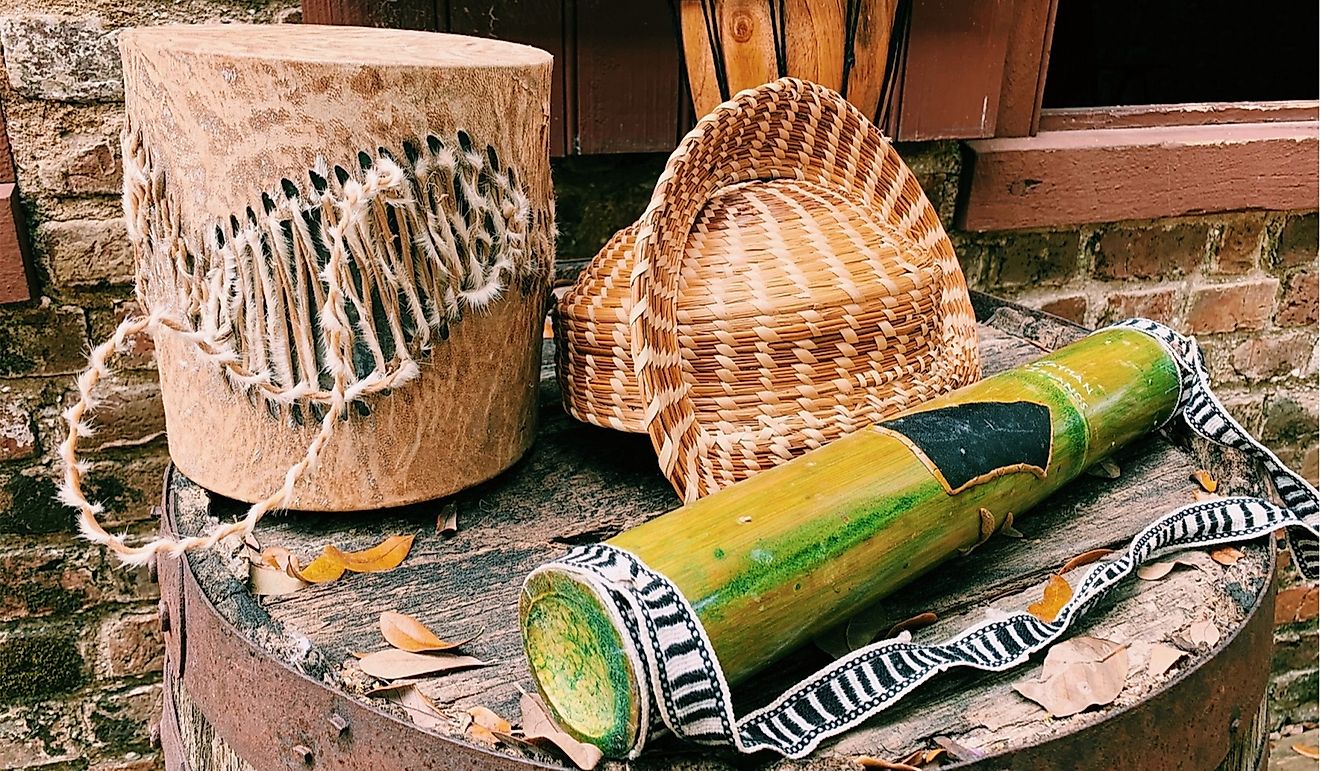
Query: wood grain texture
[581,484]
[16,277]
[1192,114]
[815,31]
[698,58]
[1104,175]
[747,36]
[1026,62]
[198,95]
[866,79]
[954,69]
[628,76]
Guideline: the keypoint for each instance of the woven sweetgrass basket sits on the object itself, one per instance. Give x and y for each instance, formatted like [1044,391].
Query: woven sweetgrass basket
[789,283]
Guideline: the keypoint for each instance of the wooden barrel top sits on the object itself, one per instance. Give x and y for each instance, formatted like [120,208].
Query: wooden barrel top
[580,484]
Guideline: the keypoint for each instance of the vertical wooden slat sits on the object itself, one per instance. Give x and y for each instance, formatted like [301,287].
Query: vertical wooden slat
[954,68]
[1024,67]
[627,76]
[703,83]
[748,37]
[815,35]
[539,23]
[399,14]
[866,78]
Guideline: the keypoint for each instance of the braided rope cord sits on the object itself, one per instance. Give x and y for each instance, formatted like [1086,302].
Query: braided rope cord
[331,294]
[689,695]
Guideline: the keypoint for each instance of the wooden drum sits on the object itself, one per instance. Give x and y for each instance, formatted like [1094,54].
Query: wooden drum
[334,220]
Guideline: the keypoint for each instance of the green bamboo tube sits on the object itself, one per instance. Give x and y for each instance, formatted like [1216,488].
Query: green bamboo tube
[772,560]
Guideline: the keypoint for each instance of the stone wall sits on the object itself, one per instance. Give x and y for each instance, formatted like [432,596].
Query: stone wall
[79,641]
[80,648]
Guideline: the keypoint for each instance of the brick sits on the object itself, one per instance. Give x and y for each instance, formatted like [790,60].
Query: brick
[1296,604]
[1299,242]
[140,350]
[1292,697]
[1155,303]
[1071,307]
[1239,305]
[42,340]
[16,438]
[1151,252]
[62,58]
[126,415]
[42,735]
[1239,246]
[87,252]
[1290,419]
[131,761]
[1299,306]
[1294,648]
[28,504]
[39,665]
[48,580]
[127,487]
[130,645]
[1267,356]
[84,165]
[120,720]
[1036,259]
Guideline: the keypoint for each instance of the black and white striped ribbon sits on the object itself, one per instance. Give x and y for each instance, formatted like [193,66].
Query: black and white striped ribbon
[690,696]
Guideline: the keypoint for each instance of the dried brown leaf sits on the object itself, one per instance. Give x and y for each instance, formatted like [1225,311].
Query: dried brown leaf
[1162,659]
[1007,527]
[1307,750]
[1057,593]
[1078,673]
[1226,555]
[421,710]
[484,724]
[446,524]
[1204,633]
[957,751]
[408,634]
[1206,480]
[272,582]
[537,725]
[1154,571]
[320,570]
[1105,469]
[1085,558]
[919,621]
[1201,496]
[986,528]
[396,664]
[386,555]
[867,761]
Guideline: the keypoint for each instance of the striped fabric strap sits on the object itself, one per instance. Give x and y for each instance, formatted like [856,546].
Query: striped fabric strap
[690,696]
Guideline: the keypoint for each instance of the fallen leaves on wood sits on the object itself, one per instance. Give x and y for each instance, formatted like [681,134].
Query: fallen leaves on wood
[386,555]
[1078,673]
[537,726]
[484,725]
[922,757]
[1105,469]
[446,524]
[1201,496]
[957,751]
[1227,555]
[272,582]
[1307,750]
[1206,480]
[1162,659]
[1204,633]
[408,634]
[1085,558]
[1007,527]
[1057,593]
[1154,571]
[986,528]
[421,710]
[919,621]
[867,761]
[396,664]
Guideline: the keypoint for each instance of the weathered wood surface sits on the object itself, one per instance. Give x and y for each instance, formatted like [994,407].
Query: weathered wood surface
[582,484]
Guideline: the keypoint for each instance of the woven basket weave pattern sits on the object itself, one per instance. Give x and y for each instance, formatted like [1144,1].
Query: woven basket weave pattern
[789,283]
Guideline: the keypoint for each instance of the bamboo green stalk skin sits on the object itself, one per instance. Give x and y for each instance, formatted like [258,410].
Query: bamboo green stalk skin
[770,561]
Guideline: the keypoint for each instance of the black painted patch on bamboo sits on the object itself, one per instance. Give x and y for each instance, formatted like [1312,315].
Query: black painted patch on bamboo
[967,444]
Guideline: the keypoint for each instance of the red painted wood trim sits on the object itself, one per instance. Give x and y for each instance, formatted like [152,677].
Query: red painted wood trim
[400,14]
[1104,175]
[954,69]
[1142,116]
[1025,64]
[628,76]
[16,279]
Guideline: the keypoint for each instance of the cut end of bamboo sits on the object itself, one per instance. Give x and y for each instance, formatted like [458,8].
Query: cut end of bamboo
[578,661]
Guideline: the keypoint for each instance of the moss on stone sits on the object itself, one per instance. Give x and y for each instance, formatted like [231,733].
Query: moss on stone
[111,492]
[30,507]
[38,666]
